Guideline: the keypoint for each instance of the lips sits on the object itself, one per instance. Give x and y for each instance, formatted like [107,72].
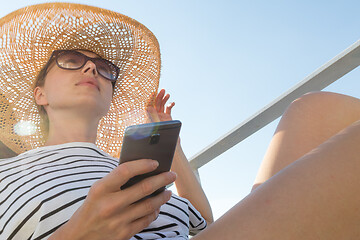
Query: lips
[89,82]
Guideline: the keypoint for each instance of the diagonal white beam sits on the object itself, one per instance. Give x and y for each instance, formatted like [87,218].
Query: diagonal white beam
[331,71]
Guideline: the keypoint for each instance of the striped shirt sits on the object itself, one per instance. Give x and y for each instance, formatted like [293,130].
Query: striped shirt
[42,188]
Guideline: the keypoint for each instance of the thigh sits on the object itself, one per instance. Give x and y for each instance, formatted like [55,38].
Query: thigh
[315,197]
[308,122]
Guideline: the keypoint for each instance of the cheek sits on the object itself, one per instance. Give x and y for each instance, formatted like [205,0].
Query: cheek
[109,95]
[54,86]
[107,86]
[107,99]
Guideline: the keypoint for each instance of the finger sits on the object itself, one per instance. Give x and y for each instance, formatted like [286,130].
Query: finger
[132,225]
[147,186]
[149,206]
[152,99]
[159,97]
[163,102]
[121,174]
[137,209]
[169,108]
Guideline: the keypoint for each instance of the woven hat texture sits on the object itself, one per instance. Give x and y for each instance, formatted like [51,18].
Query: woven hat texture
[27,38]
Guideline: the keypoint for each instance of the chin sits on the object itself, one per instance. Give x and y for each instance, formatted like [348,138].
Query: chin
[91,104]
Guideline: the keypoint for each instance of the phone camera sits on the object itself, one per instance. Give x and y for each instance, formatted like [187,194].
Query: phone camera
[154,138]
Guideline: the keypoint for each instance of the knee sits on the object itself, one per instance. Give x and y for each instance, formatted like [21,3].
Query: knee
[321,99]
[326,107]
[327,103]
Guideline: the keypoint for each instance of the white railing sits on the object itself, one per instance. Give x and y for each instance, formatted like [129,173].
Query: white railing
[331,71]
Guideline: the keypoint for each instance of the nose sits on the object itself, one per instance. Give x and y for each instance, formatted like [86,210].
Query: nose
[90,67]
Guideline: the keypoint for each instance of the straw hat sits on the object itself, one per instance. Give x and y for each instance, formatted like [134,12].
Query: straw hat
[27,38]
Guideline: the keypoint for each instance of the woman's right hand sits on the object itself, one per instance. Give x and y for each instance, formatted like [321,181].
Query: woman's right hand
[111,213]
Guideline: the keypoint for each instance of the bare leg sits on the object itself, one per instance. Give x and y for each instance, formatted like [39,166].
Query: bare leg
[308,122]
[315,197]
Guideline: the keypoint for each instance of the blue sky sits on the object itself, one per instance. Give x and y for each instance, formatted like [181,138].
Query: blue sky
[222,61]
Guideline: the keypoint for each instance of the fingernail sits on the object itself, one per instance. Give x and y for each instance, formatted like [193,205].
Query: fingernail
[173,175]
[155,163]
[168,193]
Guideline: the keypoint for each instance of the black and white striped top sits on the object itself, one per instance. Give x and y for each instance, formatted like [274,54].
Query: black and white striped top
[42,188]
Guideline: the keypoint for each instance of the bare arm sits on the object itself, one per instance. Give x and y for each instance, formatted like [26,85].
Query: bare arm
[188,185]
[186,182]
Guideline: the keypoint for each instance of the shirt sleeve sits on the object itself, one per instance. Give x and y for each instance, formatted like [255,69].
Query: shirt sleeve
[197,222]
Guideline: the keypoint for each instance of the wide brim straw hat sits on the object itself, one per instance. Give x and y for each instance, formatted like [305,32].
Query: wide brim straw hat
[29,35]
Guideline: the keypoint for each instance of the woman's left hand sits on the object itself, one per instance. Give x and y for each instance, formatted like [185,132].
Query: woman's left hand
[159,112]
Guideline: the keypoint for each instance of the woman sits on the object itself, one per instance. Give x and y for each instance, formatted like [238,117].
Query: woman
[68,188]
[306,187]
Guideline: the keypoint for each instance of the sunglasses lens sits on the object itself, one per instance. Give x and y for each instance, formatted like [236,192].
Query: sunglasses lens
[106,69]
[70,60]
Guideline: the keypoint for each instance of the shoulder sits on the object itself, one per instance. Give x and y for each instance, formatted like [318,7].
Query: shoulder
[184,207]
[6,152]
[181,202]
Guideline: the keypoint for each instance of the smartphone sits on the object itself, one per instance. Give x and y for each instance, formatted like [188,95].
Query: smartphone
[150,141]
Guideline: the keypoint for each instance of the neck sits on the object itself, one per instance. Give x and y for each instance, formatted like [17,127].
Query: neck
[72,128]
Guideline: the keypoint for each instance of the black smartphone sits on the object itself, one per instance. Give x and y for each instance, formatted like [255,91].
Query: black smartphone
[150,141]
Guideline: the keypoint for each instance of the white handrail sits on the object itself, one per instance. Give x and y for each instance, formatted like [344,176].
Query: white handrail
[331,71]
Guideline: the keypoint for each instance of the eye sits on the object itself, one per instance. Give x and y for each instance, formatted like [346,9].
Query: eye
[104,69]
[70,60]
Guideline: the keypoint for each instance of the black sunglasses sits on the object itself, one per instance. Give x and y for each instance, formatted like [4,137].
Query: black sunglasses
[73,60]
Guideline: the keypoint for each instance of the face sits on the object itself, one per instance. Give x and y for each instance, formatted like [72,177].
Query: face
[82,90]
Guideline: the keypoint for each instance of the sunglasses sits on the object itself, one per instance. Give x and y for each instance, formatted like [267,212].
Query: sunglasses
[74,60]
